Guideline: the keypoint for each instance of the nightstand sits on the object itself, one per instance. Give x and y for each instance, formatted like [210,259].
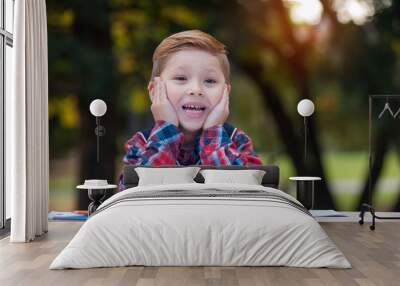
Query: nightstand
[97,191]
[305,190]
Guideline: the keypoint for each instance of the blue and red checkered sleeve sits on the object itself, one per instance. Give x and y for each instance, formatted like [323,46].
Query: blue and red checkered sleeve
[161,148]
[218,149]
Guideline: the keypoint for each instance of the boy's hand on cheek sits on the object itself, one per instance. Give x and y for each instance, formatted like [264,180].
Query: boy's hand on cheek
[161,107]
[220,112]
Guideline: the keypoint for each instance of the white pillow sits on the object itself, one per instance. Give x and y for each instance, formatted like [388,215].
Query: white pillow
[163,176]
[249,177]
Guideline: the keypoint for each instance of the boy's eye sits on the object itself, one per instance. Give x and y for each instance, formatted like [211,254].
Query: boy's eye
[210,81]
[180,78]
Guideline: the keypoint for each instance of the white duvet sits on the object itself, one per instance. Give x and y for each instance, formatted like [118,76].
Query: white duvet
[183,231]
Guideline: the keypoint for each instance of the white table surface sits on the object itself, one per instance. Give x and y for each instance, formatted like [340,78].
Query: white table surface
[86,187]
[305,178]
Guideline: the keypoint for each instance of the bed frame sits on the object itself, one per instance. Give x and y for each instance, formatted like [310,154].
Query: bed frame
[270,179]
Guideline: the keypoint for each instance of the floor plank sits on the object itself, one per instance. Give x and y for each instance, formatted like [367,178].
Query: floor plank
[375,257]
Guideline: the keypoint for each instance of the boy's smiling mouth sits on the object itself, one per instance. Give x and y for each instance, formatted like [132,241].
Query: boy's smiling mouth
[193,107]
[194,110]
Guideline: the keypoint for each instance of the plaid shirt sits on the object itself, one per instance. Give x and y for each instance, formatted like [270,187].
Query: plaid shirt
[213,146]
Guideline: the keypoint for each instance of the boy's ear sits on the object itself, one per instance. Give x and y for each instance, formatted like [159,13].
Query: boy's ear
[228,85]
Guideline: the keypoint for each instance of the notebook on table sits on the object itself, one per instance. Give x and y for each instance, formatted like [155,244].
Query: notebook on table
[76,215]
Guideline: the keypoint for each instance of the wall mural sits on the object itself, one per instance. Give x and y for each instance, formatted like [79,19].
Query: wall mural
[230,99]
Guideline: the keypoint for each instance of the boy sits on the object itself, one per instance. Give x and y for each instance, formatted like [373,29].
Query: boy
[189,91]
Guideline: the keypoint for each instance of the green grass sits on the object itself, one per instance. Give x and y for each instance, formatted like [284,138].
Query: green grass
[342,165]
[384,201]
[355,165]
[345,201]
[62,193]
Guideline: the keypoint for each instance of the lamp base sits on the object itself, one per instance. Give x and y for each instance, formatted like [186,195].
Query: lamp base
[96,196]
[305,193]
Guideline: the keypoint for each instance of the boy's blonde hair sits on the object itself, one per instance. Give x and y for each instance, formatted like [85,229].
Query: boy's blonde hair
[192,39]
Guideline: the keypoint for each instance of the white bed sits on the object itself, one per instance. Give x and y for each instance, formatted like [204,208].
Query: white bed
[248,226]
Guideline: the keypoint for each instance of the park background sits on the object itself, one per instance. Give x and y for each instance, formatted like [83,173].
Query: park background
[334,52]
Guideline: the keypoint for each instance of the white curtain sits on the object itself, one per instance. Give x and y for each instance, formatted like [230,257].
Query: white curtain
[27,155]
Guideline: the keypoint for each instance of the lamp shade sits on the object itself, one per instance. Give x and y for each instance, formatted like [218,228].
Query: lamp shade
[305,107]
[98,107]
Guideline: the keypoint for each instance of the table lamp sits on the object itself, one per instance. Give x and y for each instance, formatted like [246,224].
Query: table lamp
[98,108]
[305,108]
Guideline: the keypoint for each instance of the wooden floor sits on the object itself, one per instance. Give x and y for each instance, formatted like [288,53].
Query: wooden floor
[374,255]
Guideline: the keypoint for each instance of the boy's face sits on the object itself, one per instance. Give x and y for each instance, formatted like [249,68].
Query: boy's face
[194,82]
